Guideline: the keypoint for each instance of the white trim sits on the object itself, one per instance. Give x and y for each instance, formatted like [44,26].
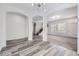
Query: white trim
[30,29]
[44,28]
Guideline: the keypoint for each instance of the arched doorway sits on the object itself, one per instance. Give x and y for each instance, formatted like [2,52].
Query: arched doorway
[16,28]
[38,27]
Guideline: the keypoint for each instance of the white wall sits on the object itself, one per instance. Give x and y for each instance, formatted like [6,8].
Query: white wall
[2,30]
[71,27]
[4,9]
[78,30]
[16,26]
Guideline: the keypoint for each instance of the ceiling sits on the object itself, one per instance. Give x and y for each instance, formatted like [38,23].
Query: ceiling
[63,14]
[49,7]
[66,13]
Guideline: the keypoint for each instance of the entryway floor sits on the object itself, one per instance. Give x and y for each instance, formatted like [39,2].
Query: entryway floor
[37,48]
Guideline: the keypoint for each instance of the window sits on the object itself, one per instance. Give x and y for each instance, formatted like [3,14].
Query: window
[53,27]
[59,27]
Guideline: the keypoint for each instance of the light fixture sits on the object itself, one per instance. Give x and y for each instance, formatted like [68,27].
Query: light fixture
[38,4]
[39,7]
[55,17]
[32,4]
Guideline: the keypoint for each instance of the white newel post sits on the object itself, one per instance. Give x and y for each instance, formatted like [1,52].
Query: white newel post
[30,29]
[44,28]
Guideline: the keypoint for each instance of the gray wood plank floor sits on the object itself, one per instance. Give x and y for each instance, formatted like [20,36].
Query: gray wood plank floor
[37,48]
[69,43]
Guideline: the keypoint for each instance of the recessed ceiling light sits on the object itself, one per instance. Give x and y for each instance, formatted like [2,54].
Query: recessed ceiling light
[55,17]
[32,4]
